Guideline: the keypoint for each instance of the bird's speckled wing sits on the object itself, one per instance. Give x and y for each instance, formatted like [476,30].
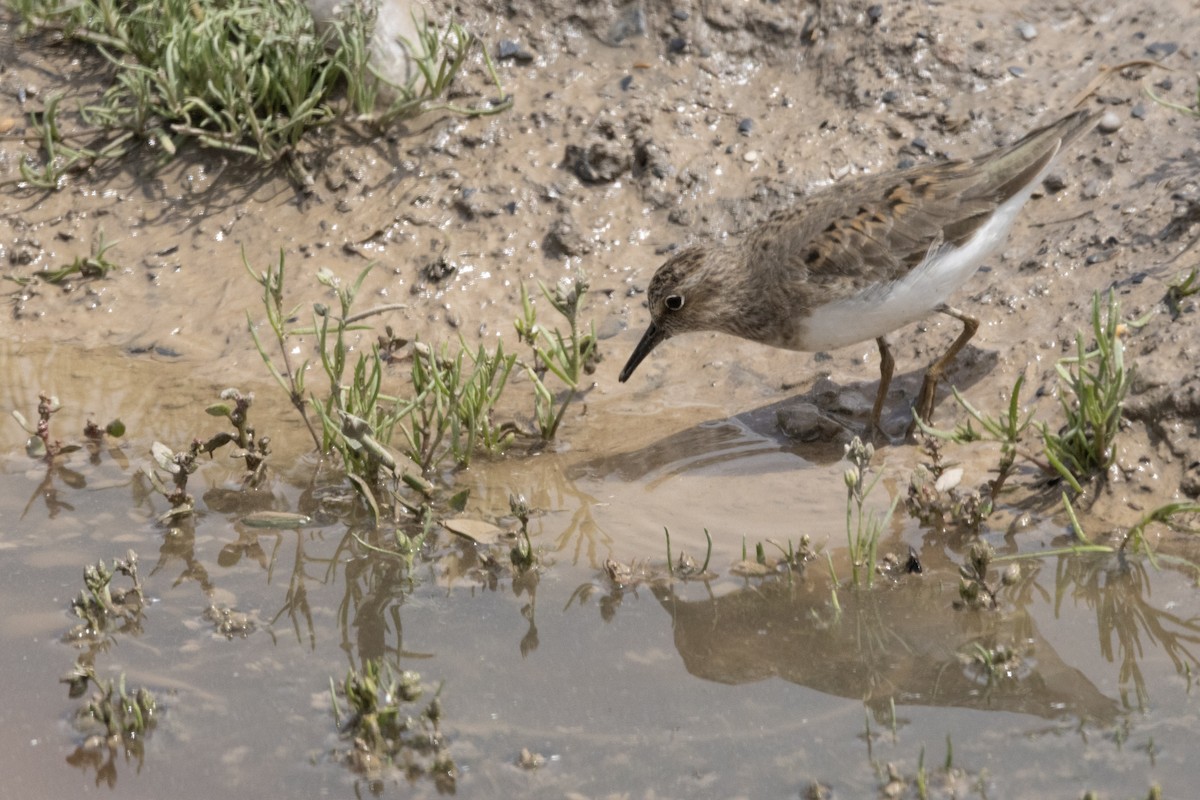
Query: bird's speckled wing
[877,228]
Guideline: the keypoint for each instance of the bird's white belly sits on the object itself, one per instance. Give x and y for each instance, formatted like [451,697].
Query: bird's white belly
[882,308]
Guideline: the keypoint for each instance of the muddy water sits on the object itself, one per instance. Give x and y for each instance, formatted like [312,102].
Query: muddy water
[726,688]
[729,687]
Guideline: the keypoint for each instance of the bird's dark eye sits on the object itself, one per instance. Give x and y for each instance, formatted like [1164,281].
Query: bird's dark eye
[674,302]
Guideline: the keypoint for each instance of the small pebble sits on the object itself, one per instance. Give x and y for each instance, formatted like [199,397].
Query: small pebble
[1054,183]
[875,13]
[890,96]
[680,15]
[677,45]
[630,23]
[1027,31]
[804,422]
[1016,72]
[750,156]
[1109,123]
[1161,49]
[1138,111]
[626,82]
[528,760]
[745,126]
[509,49]
[920,144]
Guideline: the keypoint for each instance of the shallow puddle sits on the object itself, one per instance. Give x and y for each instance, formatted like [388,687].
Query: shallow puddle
[723,688]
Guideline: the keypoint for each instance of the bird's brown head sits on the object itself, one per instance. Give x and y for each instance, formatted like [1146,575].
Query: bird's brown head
[681,298]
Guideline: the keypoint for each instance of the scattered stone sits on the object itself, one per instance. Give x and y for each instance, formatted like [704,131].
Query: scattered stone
[1138,111]
[511,50]
[804,422]
[681,15]
[745,126]
[530,760]
[1016,72]
[677,45]
[1054,183]
[890,96]
[875,13]
[1109,123]
[626,82]
[949,479]
[1027,31]
[630,22]
[920,144]
[1161,49]
[750,156]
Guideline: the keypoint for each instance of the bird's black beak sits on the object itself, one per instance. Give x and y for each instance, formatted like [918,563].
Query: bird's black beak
[650,340]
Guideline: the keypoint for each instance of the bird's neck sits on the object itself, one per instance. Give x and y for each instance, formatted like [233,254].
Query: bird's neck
[743,300]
